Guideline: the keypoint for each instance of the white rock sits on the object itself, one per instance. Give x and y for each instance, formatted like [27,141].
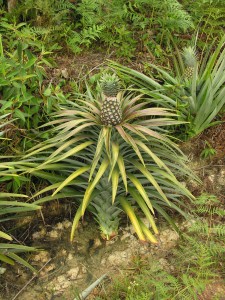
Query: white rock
[59,226]
[39,234]
[54,234]
[72,273]
[2,270]
[42,256]
[119,257]
[70,256]
[67,224]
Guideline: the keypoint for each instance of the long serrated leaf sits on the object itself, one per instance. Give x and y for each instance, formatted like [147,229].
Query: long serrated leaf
[107,139]
[147,232]
[144,208]
[115,153]
[132,128]
[141,190]
[70,178]
[115,181]
[121,165]
[62,195]
[151,179]
[130,212]
[91,186]
[6,259]
[76,220]
[21,248]
[16,203]
[150,112]
[21,261]
[66,145]
[75,150]
[127,137]
[5,236]
[8,195]
[98,152]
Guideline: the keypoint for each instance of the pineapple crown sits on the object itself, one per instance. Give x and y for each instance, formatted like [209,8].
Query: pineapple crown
[110,84]
[190,56]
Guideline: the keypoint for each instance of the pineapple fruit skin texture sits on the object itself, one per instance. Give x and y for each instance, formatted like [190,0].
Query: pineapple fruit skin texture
[111,114]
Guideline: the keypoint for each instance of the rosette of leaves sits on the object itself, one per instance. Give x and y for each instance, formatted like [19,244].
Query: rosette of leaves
[199,97]
[141,160]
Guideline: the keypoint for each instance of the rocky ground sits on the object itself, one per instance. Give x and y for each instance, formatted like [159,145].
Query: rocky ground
[65,269]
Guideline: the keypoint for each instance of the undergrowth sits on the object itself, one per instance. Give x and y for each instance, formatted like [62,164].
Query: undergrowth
[194,265]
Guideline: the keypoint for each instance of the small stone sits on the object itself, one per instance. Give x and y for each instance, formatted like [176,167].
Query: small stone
[131,229]
[65,73]
[70,256]
[72,273]
[163,262]
[43,257]
[59,226]
[49,268]
[168,238]
[61,279]
[2,270]
[63,252]
[211,178]
[119,257]
[54,234]
[67,224]
[39,234]
[56,72]
[187,224]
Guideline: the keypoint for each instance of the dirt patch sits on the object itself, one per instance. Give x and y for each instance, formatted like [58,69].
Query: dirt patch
[77,67]
[65,268]
[215,136]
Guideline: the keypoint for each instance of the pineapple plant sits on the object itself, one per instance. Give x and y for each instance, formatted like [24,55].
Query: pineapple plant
[106,213]
[190,60]
[111,114]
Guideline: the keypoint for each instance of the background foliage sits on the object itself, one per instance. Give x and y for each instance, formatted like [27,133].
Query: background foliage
[127,27]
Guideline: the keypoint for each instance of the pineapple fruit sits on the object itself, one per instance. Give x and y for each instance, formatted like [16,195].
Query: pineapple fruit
[111,114]
[106,212]
[190,60]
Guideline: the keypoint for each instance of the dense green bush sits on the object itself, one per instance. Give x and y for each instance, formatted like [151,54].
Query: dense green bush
[117,24]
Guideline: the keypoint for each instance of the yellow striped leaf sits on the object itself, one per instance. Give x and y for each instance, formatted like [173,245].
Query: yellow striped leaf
[70,178]
[76,220]
[122,169]
[147,232]
[92,185]
[149,176]
[141,190]
[115,180]
[130,212]
[144,208]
